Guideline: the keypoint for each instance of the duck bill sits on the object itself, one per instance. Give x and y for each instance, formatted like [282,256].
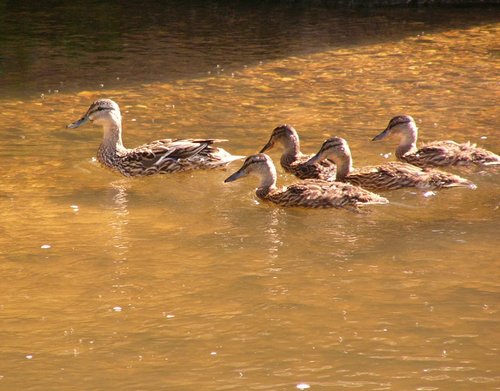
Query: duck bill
[315,159]
[237,175]
[78,123]
[266,147]
[382,135]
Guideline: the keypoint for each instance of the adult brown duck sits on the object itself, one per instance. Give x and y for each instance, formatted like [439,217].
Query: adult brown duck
[157,157]
[436,153]
[387,176]
[293,160]
[309,193]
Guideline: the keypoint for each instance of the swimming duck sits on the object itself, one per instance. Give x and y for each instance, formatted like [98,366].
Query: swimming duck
[387,176]
[292,160]
[157,157]
[436,153]
[310,193]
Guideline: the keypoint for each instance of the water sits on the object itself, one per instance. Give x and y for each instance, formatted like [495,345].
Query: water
[184,282]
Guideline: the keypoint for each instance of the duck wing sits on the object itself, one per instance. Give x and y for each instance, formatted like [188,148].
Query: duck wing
[157,152]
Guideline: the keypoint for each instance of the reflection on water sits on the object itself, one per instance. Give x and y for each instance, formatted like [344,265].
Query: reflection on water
[184,282]
[118,224]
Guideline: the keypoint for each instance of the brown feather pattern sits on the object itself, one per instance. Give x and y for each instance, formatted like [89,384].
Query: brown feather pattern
[310,193]
[436,153]
[157,157]
[450,153]
[293,160]
[387,176]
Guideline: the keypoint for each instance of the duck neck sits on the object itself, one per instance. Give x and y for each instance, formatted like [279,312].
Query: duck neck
[344,166]
[267,182]
[291,152]
[112,143]
[408,142]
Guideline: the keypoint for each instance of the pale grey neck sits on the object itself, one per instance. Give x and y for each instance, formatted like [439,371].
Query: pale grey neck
[408,142]
[112,139]
[291,146]
[344,166]
[267,182]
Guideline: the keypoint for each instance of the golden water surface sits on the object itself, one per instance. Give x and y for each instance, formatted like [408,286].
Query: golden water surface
[183,282]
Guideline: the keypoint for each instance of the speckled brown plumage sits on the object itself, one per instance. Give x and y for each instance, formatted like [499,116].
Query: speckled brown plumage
[387,176]
[310,193]
[156,157]
[436,153]
[293,160]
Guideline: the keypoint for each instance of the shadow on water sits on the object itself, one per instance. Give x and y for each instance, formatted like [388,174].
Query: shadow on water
[83,45]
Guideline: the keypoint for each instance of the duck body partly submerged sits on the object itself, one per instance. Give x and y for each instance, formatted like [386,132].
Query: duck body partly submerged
[436,153]
[310,193]
[157,157]
[387,176]
[449,153]
[293,160]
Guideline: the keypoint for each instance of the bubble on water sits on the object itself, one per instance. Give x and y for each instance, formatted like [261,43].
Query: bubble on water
[213,353]
[29,356]
[303,386]
[117,309]
[170,316]
[45,246]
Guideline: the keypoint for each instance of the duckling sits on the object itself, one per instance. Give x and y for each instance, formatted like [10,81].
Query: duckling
[436,153]
[388,176]
[310,193]
[158,157]
[292,160]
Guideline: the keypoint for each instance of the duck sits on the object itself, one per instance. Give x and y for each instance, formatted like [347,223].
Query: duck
[308,193]
[292,160]
[436,153]
[387,176]
[157,157]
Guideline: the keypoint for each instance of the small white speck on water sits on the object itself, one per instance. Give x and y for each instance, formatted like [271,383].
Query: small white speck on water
[169,316]
[101,85]
[213,353]
[75,208]
[118,78]
[483,137]
[429,193]
[303,386]
[45,246]
[117,309]
[29,356]
[133,120]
